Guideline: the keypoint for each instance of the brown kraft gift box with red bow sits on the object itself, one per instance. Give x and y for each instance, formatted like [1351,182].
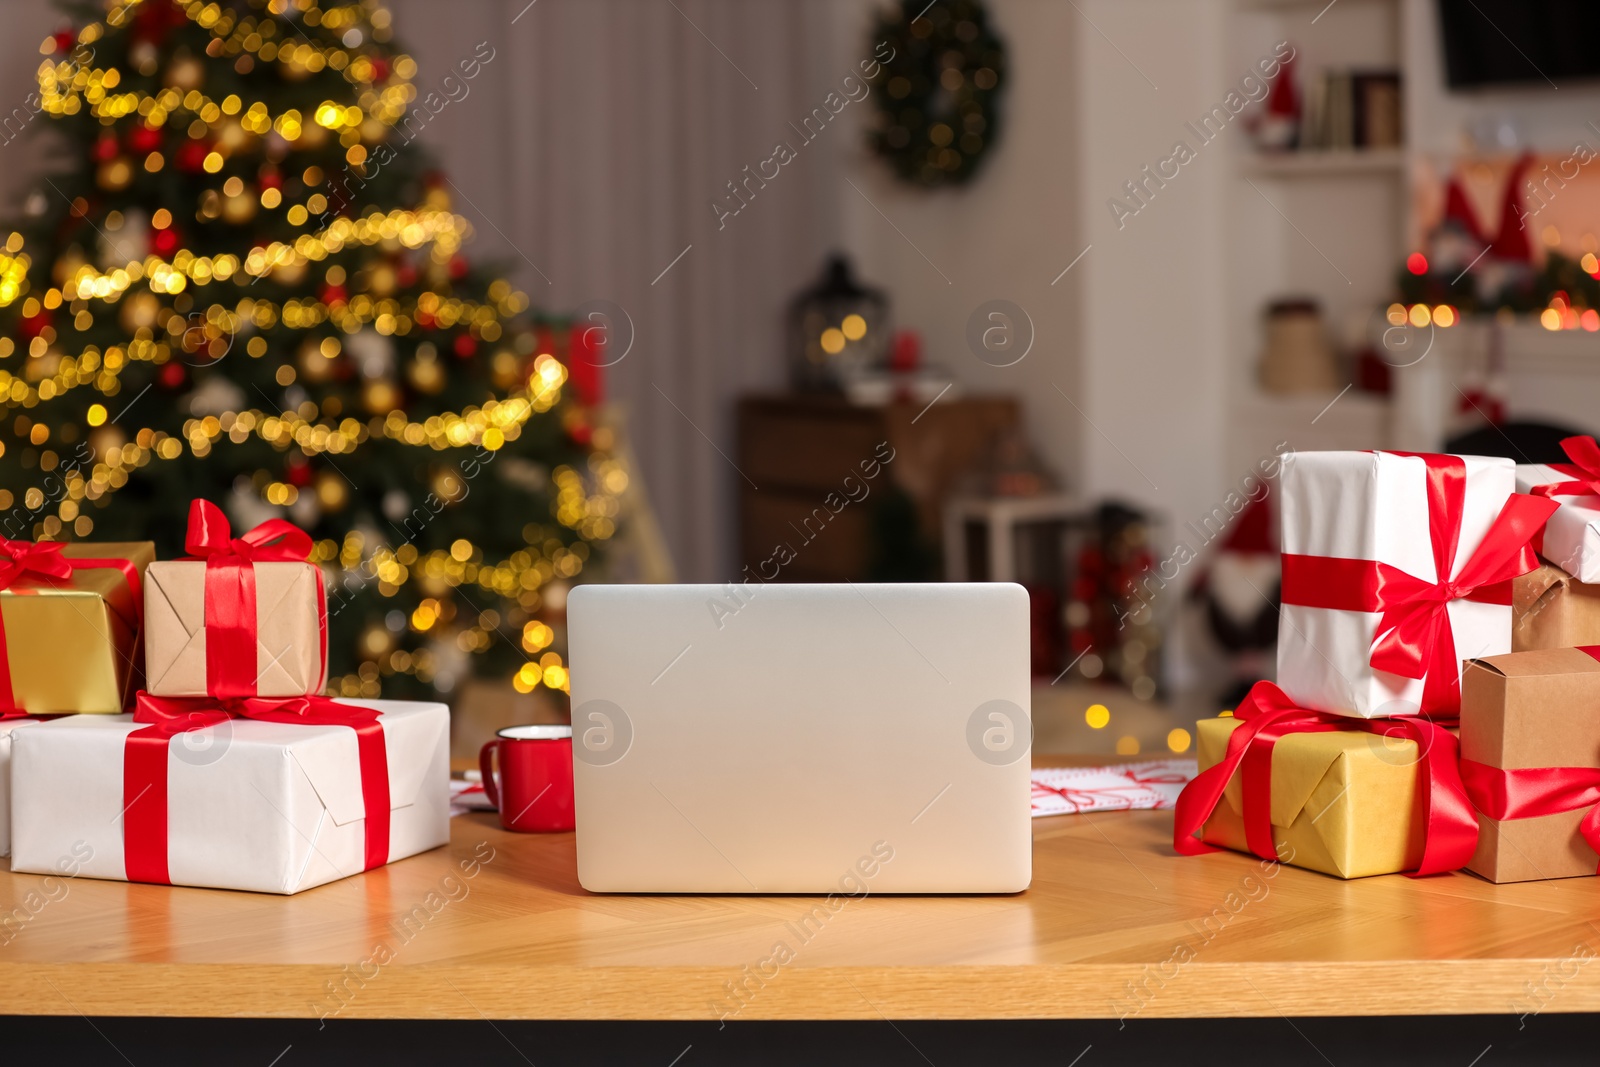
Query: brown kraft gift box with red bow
[1530,759]
[247,618]
[69,626]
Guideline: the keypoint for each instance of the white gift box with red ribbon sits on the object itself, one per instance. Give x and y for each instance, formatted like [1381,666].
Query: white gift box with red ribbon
[267,806]
[6,728]
[1571,538]
[1396,568]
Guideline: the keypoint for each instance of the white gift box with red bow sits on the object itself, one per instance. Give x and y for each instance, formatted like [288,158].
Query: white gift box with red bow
[1572,536]
[1397,568]
[265,806]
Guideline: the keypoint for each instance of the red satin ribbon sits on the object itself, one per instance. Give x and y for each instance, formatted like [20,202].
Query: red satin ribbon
[1584,470]
[1450,830]
[1530,792]
[230,597]
[144,767]
[1414,638]
[43,561]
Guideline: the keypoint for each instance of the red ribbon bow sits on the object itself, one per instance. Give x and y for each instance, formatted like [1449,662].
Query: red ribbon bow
[1584,470]
[1414,638]
[42,561]
[1450,830]
[230,597]
[144,766]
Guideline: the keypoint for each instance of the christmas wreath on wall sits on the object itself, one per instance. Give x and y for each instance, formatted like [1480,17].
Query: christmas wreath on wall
[939,90]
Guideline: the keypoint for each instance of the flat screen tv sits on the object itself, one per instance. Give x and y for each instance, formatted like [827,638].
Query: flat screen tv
[1493,42]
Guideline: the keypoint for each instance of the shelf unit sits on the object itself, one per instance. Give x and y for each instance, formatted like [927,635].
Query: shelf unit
[1324,224]
[1319,163]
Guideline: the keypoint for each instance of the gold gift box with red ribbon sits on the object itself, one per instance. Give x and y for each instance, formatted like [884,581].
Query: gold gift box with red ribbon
[1530,758]
[70,625]
[1332,793]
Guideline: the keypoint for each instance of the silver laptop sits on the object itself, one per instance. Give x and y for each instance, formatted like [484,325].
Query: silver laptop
[847,739]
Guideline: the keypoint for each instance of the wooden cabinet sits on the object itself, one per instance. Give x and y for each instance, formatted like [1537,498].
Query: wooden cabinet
[837,486]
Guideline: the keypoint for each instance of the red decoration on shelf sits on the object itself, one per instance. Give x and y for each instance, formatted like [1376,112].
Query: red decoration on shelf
[465,345]
[1511,243]
[1480,400]
[105,148]
[334,294]
[405,275]
[906,353]
[172,376]
[1458,209]
[63,41]
[380,68]
[459,267]
[270,178]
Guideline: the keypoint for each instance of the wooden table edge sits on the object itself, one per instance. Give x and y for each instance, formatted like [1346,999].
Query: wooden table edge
[698,994]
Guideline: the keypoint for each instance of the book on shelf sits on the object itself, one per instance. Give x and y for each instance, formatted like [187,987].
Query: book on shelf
[1351,110]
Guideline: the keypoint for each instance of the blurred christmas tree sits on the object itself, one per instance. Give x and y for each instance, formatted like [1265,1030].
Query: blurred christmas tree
[244,284]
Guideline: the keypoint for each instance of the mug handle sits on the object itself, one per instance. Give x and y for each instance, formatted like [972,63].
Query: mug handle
[486,761]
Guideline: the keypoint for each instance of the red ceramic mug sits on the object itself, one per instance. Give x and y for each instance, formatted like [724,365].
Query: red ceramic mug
[534,786]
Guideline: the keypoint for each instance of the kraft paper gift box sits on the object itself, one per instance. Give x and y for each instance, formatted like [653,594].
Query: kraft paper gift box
[263,806]
[1343,803]
[1530,757]
[1572,536]
[1395,569]
[71,644]
[291,629]
[1552,609]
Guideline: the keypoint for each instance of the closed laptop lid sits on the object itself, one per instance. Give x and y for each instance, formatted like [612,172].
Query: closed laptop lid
[801,738]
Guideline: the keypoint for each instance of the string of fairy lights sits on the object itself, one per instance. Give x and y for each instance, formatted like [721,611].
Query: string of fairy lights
[158,299]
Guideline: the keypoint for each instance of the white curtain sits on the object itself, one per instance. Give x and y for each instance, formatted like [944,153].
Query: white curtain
[587,153]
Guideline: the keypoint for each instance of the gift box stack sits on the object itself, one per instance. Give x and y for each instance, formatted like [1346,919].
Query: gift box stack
[219,763]
[1438,698]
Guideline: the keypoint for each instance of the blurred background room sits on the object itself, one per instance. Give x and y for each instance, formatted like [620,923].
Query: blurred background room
[733,292]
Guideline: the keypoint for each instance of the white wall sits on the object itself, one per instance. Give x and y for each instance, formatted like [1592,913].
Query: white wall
[1154,364]
[26,24]
[1005,236]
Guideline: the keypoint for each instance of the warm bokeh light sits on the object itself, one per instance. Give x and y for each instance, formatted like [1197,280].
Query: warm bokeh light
[1420,316]
[1127,746]
[1417,263]
[1178,740]
[1097,716]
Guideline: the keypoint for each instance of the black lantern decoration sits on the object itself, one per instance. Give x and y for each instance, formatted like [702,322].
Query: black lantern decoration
[838,329]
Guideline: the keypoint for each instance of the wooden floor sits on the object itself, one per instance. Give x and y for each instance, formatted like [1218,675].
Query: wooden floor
[1114,925]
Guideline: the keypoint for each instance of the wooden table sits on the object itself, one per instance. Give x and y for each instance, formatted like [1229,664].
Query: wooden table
[1110,905]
